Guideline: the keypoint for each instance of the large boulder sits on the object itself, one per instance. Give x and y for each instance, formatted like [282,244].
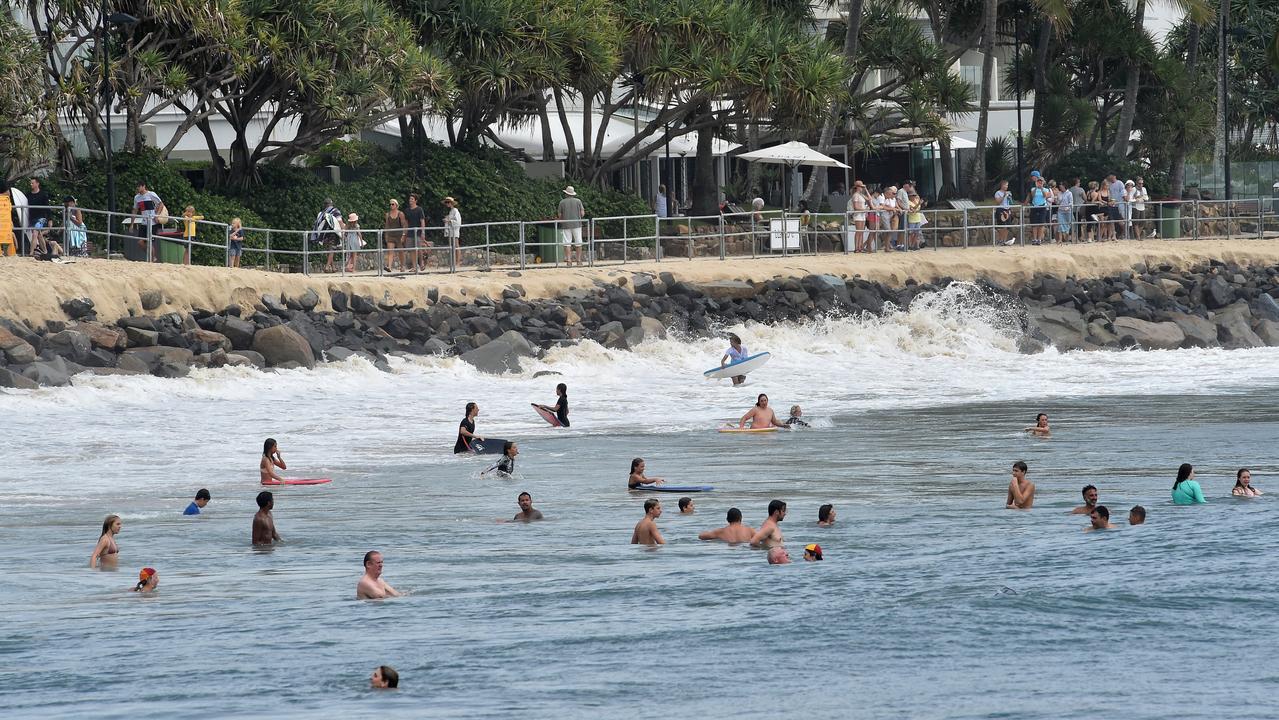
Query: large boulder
[103,337]
[281,344]
[209,339]
[16,350]
[653,328]
[1268,331]
[1266,308]
[70,344]
[1149,335]
[239,332]
[1064,326]
[827,286]
[726,290]
[502,354]
[1199,332]
[77,308]
[246,357]
[309,300]
[1217,293]
[1234,328]
[11,379]
[141,338]
[50,374]
[150,358]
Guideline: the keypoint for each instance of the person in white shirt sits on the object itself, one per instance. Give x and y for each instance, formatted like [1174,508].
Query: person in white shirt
[858,205]
[1003,214]
[1138,196]
[453,230]
[888,217]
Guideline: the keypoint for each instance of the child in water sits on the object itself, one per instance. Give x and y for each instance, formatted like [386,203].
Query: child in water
[793,421]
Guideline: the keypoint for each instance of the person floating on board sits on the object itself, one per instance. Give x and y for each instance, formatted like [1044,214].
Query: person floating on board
[466,430]
[271,459]
[202,498]
[793,421]
[637,475]
[560,408]
[506,465]
[734,354]
[760,415]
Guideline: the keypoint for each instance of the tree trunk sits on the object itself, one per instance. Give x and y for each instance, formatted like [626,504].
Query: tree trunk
[990,21]
[756,172]
[1041,74]
[852,33]
[1177,164]
[948,189]
[1223,87]
[1129,112]
[548,140]
[705,189]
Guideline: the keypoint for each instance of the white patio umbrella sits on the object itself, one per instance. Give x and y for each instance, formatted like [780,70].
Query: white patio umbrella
[792,155]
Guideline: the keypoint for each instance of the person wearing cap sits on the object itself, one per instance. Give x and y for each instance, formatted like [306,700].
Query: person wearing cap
[353,240]
[734,532]
[384,677]
[812,552]
[372,586]
[394,224]
[202,498]
[570,216]
[646,532]
[453,229]
[1037,199]
[148,580]
[778,556]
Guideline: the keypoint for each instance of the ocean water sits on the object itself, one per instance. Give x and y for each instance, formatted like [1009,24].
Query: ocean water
[933,601]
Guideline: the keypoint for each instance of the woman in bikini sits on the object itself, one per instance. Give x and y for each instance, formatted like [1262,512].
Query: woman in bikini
[106,550]
[638,477]
[271,460]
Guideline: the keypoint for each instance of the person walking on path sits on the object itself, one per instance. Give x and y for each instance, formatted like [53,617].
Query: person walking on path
[415,221]
[354,240]
[453,229]
[325,232]
[570,217]
[394,224]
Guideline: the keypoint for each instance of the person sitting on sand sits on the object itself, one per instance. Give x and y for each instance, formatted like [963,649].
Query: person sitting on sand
[1021,491]
[794,421]
[1100,519]
[202,498]
[1243,484]
[372,586]
[527,512]
[384,677]
[148,580]
[733,532]
[826,515]
[769,534]
[271,459]
[506,465]
[1186,490]
[646,532]
[263,522]
[760,415]
[639,478]
[466,430]
[812,552]
[106,550]
[560,409]
[1137,515]
[735,353]
[1090,501]
[1040,427]
[778,556]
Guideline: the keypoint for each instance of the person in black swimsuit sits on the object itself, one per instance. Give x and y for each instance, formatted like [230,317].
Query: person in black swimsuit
[560,410]
[793,421]
[466,430]
[506,465]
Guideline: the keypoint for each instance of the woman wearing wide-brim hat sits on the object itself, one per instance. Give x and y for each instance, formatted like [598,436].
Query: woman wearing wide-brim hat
[453,229]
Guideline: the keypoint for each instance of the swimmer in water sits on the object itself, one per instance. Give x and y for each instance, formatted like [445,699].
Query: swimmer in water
[148,580]
[1040,427]
[263,522]
[734,532]
[372,586]
[527,512]
[560,409]
[1137,515]
[506,465]
[1100,518]
[769,534]
[778,556]
[793,420]
[384,677]
[826,515]
[1021,491]
[735,353]
[1090,501]
[639,478]
[105,551]
[1243,484]
[760,415]
[271,459]
[686,506]
[202,498]
[466,430]
[812,552]
[646,532]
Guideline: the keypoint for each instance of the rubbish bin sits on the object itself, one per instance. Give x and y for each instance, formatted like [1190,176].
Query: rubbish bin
[172,249]
[1170,221]
[548,244]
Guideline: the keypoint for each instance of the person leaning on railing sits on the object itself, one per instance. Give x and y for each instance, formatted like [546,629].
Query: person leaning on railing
[189,220]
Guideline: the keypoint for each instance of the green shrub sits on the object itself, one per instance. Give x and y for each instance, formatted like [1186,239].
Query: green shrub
[1096,165]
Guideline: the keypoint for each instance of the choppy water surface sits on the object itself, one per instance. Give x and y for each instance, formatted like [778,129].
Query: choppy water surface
[933,601]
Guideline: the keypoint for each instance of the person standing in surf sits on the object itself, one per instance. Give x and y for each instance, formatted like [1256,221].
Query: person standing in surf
[770,534]
[372,586]
[760,415]
[1186,490]
[560,409]
[106,550]
[271,460]
[735,353]
[263,522]
[466,430]
[637,475]
[646,532]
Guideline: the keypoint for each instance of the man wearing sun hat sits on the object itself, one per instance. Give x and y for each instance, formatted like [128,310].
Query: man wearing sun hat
[570,217]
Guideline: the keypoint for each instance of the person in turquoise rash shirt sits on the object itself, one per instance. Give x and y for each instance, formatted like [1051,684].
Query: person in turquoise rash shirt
[1186,490]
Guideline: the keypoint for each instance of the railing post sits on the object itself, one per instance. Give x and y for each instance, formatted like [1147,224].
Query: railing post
[785,234]
[150,243]
[488,251]
[626,237]
[1194,219]
[268,250]
[657,238]
[306,254]
[965,214]
[590,243]
[1261,218]
[721,236]
[523,246]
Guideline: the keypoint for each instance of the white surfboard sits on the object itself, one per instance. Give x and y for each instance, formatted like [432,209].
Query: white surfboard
[752,363]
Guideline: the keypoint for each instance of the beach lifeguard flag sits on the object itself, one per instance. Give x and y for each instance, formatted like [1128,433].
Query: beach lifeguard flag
[7,244]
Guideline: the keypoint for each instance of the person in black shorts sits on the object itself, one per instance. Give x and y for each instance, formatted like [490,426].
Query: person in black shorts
[466,430]
[561,405]
[414,241]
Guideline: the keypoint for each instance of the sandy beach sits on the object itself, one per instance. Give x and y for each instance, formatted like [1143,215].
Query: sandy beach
[33,291]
